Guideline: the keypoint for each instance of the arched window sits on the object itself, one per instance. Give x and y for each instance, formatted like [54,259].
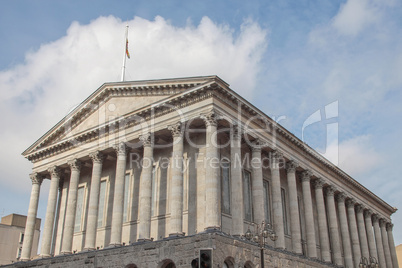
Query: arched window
[167,264]
[248,264]
[228,263]
[131,265]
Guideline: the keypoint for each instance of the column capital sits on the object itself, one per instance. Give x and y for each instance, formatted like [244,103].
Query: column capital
[389,226]
[359,208]
[54,171]
[176,129]
[97,157]
[256,145]
[330,190]
[36,178]
[276,155]
[368,213]
[210,118]
[61,182]
[120,148]
[74,164]
[350,202]
[291,166]
[382,222]
[341,197]
[306,175]
[146,139]
[376,217]
[235,131]
[318,183]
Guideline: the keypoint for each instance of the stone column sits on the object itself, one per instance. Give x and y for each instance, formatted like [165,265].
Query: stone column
[236,183]
[294,207]
[277,210]
[118,196]
[176,193]
[354,235]
[75,166]
[378,241]
[144,226]
[31,217]
[370,234]
[56,223]
[385,243]
[212,190]
[309,216]
[333,226]
[322,220]
[50,212]
[392,245]
[347,248]
[362,232]
[257,184]
[92,220]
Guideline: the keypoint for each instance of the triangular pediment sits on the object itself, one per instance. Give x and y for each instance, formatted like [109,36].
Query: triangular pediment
[112,101]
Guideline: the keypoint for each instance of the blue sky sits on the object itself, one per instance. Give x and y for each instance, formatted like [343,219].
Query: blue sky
[289,58]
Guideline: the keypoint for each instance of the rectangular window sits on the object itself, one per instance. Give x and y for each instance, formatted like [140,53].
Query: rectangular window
[19,253]
[153,198]
[248,205]
[225,173]
[79,210]
[285,215]
[267,202]
[21,238]
[102,205]
[126,197]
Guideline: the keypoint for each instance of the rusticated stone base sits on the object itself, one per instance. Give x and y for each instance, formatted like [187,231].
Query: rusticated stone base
[181,251]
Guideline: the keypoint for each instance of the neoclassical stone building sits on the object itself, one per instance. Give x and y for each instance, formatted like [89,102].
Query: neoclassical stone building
[176,165]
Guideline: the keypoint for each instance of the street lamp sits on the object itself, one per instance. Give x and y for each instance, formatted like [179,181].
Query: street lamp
[261,232]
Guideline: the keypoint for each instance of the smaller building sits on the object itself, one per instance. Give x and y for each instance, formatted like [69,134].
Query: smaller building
[12,229]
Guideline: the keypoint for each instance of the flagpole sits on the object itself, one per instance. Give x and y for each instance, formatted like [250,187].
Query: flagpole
[123,69]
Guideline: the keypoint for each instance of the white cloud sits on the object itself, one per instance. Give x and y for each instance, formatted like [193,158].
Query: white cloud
[60,74]
[355,15]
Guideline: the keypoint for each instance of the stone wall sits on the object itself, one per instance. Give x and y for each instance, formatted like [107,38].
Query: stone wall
[181,251]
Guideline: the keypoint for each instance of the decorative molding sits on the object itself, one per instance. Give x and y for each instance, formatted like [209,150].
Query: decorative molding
[36,178]
[291,166]
[54,171]
[75,165]
[97,157]
[176,129]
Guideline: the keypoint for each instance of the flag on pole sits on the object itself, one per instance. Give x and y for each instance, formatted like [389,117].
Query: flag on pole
[127,53]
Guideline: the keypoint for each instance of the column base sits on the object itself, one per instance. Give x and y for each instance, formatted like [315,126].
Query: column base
[44,256]
[88,249]
[212,228]
[65,253]
[24,259]
[177,234]
[114,245]
[145,239]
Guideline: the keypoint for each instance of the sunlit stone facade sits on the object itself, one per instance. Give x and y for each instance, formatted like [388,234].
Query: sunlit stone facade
[184,161]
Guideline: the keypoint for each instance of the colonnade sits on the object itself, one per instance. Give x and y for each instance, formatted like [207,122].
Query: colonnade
[347,230]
